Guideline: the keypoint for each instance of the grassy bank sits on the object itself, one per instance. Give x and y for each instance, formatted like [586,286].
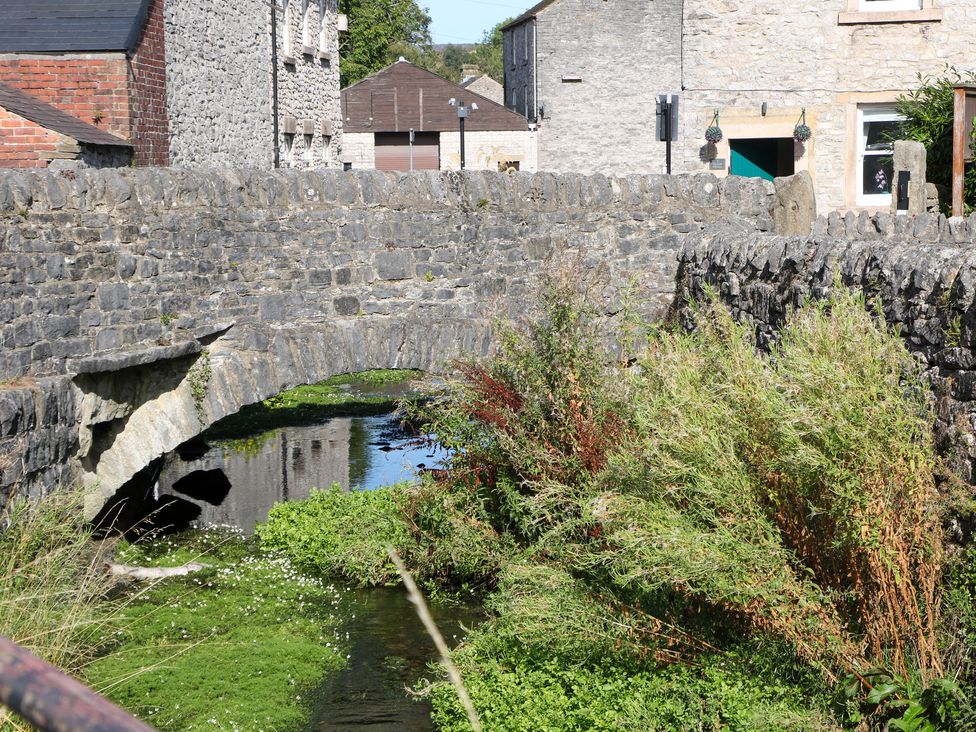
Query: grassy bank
[236,646]
[698,536]
[52,585]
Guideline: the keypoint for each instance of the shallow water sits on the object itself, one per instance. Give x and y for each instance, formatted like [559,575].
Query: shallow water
[235,483]
[390,651]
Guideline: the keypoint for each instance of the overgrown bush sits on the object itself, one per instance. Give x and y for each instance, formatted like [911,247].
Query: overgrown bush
[928,113]
[707,491]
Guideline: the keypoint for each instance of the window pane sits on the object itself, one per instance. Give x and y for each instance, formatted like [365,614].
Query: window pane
[878,135]
[877,174]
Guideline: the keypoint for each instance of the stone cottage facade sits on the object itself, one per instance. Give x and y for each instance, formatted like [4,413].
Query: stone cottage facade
[225,80]
[589,72]
[186,83]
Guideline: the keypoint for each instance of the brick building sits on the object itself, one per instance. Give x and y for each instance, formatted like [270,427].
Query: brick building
[382,111]
[187,83]
[101,61]
[35,134]
[589,72]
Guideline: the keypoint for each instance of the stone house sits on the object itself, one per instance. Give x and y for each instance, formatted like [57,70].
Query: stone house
[473,79]
[186,83]
[588,74]
[405,118]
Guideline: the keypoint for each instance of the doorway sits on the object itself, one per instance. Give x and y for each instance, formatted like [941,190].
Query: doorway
[763,157]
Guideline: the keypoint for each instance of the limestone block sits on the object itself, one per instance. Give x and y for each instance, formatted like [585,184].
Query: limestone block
[795,205]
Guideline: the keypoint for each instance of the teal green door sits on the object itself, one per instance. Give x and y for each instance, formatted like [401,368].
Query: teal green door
[754,158]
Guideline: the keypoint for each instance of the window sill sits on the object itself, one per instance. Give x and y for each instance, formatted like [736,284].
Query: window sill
[289,60]
[323,56]
[925,15]
[308,51]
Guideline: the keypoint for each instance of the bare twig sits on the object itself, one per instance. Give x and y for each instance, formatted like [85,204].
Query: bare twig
[424,614]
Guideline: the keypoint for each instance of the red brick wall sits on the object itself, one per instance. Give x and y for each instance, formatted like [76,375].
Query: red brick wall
[22,142]
[147,92]
[94,90]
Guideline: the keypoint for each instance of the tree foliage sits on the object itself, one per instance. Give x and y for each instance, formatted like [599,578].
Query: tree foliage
[380,31]
[928,113]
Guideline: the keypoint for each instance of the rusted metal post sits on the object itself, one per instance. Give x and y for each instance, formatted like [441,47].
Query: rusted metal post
[958,148]
[53,701]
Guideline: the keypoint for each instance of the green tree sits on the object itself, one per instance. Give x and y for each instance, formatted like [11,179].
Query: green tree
[453,58]
[380,31]
[928,113]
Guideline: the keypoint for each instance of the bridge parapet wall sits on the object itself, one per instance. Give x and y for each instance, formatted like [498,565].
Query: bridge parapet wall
[112,282]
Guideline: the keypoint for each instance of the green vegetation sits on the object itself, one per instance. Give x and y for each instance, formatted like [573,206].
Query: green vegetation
[52,584]
[340,396]
[701,537]
[339,533]
[928,113]
[234,647]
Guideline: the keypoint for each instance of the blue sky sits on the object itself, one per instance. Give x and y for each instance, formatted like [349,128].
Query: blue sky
[465,21]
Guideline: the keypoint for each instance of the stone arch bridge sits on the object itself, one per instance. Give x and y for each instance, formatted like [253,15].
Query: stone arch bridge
[137,307]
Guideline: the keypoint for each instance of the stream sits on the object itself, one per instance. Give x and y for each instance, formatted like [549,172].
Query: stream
[233,483]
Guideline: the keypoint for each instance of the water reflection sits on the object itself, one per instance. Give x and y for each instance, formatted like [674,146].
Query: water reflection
[253,473]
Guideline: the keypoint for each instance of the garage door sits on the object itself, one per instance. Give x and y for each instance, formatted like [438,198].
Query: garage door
[393,151]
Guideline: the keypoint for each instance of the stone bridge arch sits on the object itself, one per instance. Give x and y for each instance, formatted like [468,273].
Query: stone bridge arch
[132,416]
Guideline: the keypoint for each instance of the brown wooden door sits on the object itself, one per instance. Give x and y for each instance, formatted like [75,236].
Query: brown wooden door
[393,151]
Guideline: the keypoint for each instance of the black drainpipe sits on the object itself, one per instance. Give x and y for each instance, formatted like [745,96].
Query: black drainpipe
[274,78]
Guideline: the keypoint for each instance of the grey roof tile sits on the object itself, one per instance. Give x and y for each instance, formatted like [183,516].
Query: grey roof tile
[45,26]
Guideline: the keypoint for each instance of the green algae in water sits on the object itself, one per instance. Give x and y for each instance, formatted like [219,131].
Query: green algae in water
[345,395]
[236,646]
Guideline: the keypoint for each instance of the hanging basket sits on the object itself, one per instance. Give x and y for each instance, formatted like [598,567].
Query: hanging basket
[713,134]
[802,133]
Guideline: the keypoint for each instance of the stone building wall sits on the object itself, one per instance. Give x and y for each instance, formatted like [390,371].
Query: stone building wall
[220,84]
[600,66]
[308,84]
[518,64]
[733,58]
[489,150]
[219,92]
[488,88]
[823,58]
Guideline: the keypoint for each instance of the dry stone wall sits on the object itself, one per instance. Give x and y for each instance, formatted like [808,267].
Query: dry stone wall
[112,284]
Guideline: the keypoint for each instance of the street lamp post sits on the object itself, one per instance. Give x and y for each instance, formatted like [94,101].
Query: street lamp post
[462,113]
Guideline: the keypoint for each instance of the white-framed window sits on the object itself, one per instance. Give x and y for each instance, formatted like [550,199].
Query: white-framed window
[286,31]
[326,149]
[307,155]
[289,140]
[876,127]
[888,6]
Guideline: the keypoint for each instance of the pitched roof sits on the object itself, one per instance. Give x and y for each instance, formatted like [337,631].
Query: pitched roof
[404,96]
[530,13]
[52,118]
[46,26]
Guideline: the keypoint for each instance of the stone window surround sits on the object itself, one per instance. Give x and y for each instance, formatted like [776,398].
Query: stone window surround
[779,123]
[851,101]
[926,13]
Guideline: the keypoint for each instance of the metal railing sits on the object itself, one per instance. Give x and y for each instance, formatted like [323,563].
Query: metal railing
[53,701]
